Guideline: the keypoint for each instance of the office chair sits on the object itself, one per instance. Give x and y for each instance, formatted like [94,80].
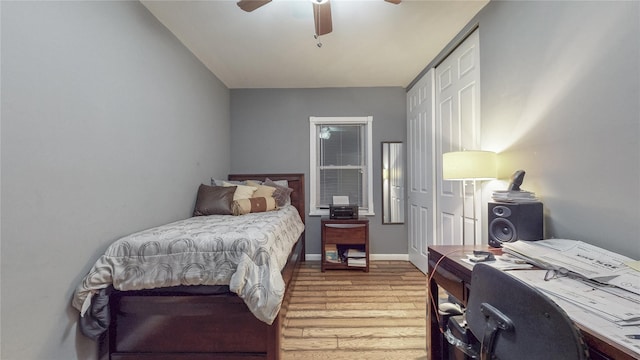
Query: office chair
[508,319]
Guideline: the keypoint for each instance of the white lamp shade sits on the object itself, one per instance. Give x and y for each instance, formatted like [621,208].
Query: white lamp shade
[461,165]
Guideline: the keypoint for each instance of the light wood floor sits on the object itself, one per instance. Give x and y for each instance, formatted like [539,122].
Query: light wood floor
[350,314]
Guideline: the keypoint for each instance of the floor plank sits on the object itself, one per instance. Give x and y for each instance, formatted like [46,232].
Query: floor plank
[344,314]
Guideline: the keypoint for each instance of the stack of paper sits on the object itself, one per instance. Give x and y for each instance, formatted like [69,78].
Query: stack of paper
[356,253]
[600,292]
[514,196]
[356,257]
[357,262]
[579,258]
[612,314]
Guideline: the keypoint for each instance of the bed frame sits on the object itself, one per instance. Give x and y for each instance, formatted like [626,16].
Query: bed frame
[163,326]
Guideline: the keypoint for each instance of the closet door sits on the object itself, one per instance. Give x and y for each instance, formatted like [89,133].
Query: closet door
[420,160]
[457,113]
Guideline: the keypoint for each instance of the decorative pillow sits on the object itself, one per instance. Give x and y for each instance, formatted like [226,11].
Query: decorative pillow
[242,191]
[284,183]
[218,182]
[263,190]
[281,194]
[214,200]
[252,205]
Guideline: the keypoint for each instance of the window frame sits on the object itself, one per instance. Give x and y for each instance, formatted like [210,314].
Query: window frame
[314,122]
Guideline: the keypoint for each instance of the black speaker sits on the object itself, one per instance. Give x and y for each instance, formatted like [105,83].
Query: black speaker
[509,222]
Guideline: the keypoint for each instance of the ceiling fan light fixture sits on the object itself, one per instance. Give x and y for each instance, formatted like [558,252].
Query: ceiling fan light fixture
[325,133]
[250,5]
[322,17]
[321,13]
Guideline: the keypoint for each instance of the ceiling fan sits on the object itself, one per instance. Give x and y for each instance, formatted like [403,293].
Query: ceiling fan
[321,12]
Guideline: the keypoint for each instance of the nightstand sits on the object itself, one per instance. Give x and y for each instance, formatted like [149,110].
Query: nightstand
[345,244]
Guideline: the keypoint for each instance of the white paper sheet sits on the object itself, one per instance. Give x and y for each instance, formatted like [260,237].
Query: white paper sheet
[340,200]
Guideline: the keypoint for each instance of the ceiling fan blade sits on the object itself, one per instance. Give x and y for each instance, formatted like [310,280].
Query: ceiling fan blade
[322,17]
[250,5]
[394,1]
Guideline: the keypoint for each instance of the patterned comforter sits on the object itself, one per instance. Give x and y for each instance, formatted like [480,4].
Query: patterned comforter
[245,252]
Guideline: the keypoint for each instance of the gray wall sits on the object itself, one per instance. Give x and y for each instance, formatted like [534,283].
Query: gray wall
[108,126]
[270,132]
[561,99]
[106,116]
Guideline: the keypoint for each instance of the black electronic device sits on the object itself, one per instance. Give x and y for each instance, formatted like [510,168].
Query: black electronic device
[516,180]
[343,211]
[509,222]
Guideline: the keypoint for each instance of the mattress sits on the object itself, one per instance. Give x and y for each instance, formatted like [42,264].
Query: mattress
[245,252]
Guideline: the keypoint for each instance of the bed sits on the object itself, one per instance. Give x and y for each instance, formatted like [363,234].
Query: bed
[198,321]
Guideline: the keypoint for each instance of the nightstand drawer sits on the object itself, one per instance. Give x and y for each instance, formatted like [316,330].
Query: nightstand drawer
[345,233]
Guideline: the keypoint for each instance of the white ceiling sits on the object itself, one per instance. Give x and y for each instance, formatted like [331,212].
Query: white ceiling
[373,43]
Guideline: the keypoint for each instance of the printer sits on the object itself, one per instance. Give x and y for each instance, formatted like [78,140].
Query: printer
[338,212]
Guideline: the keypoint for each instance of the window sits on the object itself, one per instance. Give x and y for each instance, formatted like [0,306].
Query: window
[340,162]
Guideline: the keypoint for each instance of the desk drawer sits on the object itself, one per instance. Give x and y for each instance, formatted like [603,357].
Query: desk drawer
[454,285]
[345,233]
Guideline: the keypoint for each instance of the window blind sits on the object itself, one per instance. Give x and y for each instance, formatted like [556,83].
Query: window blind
[342,163]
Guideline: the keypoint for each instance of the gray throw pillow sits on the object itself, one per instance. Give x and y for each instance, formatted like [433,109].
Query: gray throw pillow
[214,200]
[281,194]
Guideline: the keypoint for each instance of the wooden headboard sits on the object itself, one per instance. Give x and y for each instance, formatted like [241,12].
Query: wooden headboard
[296,182]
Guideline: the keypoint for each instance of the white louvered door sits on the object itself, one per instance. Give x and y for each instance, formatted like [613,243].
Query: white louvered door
[420,160]
[457,113]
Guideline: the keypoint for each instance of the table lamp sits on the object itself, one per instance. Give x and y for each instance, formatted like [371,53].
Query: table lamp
[472,165]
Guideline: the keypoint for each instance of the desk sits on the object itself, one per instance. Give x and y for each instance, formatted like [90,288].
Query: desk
[454,276]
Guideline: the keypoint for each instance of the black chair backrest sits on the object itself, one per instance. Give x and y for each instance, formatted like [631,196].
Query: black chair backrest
[527,324]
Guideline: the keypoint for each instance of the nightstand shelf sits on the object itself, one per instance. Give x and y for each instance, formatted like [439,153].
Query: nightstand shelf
[345,244]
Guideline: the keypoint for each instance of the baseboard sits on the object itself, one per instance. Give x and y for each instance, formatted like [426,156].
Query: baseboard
[372,257]
[389,257]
